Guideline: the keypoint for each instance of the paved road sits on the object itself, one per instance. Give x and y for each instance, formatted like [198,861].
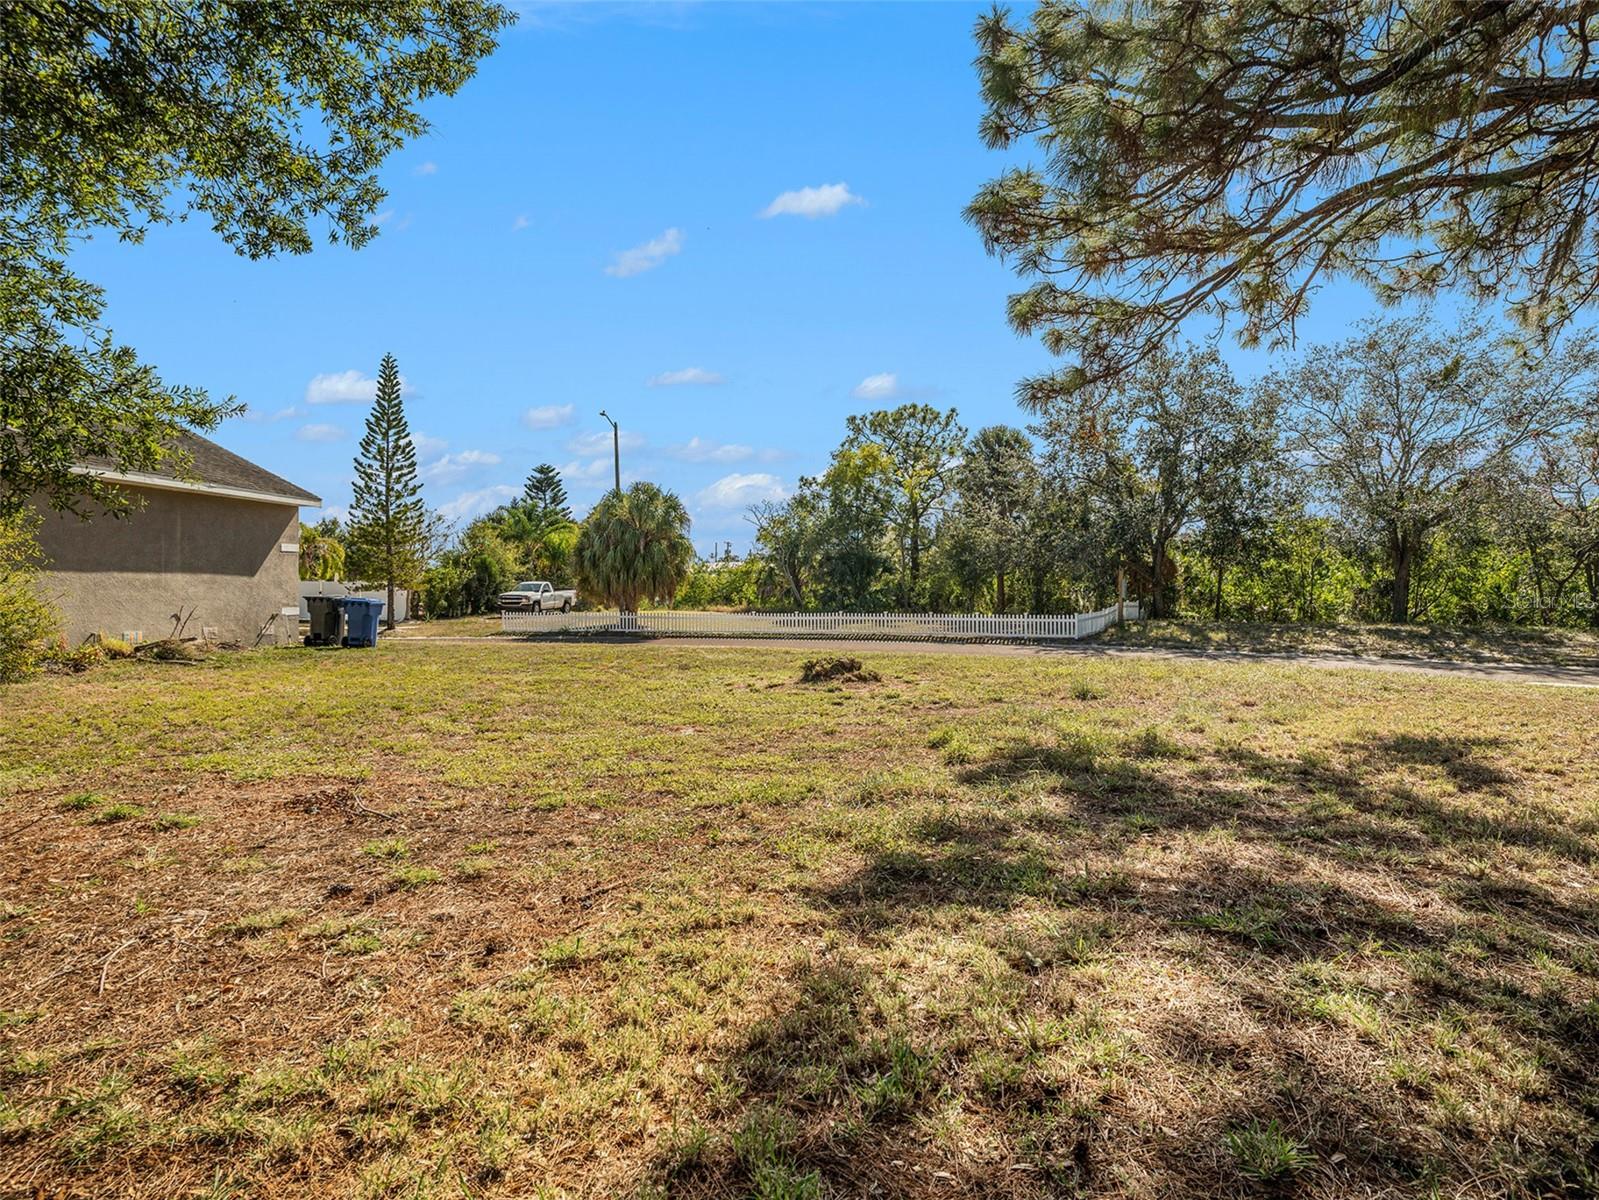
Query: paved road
[1545,674]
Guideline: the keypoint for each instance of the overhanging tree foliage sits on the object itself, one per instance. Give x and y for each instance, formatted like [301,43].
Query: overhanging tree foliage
[389,533]
[1226,156]
[268,119]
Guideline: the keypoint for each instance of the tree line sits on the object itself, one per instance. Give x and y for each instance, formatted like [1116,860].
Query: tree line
[1408,472]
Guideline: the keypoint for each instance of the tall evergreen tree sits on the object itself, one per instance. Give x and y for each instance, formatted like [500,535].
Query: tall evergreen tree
[546,495]
[388,523]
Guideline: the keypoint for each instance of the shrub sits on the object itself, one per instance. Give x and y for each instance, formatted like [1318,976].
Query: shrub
[71,660]
[28,622]
[470,576]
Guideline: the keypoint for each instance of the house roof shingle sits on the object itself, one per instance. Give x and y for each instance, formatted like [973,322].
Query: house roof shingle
[210,465]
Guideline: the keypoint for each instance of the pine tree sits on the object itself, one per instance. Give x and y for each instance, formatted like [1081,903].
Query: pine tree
[388,523]
[546,495]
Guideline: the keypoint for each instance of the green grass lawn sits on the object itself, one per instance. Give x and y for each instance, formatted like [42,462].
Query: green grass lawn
[482,625]
[575,920]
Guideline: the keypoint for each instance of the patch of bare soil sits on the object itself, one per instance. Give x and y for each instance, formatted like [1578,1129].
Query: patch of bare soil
[260,923]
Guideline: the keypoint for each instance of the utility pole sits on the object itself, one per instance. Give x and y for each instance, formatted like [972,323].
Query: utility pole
[616,449]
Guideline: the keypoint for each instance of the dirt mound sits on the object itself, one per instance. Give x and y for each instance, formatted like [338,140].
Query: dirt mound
[835,669]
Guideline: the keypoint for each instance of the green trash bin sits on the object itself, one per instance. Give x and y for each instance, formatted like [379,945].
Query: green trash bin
[327,621]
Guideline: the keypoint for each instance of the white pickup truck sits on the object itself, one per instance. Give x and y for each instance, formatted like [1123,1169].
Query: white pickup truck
[536,595]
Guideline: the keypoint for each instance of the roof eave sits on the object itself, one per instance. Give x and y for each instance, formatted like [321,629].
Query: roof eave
[163,483]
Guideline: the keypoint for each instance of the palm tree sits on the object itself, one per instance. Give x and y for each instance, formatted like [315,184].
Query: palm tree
[321,551]
[634,547]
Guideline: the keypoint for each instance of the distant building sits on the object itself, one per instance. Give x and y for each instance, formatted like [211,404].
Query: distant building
[222,542]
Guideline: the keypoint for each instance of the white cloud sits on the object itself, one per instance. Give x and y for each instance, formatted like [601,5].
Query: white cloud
[475,503]
[740,491]
[347,387]
[599,442]
[448,468]
[689,375]
[319,433]
[339,512]
[520,223]
[813,202]
[548,416]
[648,256]
[878,387]
[427,168]
[696,450]
[427,445]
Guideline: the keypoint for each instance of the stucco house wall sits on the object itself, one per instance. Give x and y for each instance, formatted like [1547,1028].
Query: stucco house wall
[234,561]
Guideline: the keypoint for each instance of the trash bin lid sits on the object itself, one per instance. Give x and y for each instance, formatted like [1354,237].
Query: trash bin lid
[359,601]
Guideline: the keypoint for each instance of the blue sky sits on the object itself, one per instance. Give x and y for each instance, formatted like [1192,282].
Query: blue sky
[728,225]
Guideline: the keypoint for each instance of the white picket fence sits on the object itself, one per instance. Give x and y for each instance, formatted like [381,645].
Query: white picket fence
[838,625]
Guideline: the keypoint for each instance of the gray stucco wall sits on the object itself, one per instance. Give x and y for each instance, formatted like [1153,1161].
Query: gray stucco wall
[222,557]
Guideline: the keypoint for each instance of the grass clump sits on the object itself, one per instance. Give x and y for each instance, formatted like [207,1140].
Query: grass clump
[80,801]
[764,1147]
[562,952]
[1266,1154]
[116,812]
[1257,923]
[388,849]
[409,878]
[254,924]
[956,747]
[176,820]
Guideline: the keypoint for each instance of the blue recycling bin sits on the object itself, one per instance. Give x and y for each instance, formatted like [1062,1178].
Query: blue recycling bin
[360,621]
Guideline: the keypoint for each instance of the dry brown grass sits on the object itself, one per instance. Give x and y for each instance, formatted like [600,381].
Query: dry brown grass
[1443,643]
[595,921]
